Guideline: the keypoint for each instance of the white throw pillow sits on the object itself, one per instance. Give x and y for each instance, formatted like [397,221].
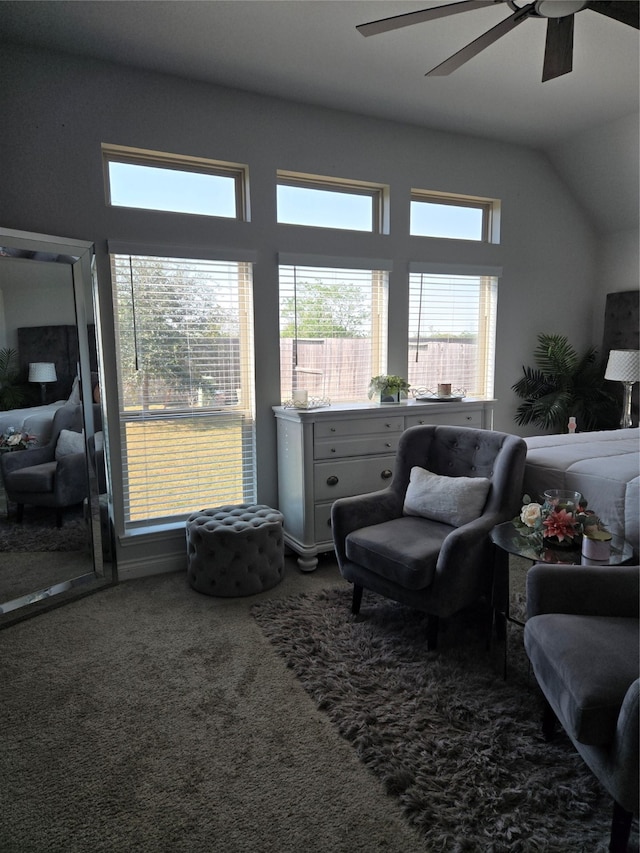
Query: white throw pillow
[453,500]
[69,442]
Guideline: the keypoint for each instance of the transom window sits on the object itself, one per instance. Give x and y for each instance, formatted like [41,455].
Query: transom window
[150,180]
[333,324]
[329,202]
[184,334]
[453,217]
[452,329]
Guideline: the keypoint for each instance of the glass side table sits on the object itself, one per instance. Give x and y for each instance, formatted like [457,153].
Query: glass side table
[507,540]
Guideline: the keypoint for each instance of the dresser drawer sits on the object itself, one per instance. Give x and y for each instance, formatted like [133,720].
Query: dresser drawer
[358,427]
[457,418]
[363,446]
[346,477]
[322,522]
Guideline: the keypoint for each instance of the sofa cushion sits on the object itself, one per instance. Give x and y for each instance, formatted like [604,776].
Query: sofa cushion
[584,665]
[403,550]
[452,500]
[35,478]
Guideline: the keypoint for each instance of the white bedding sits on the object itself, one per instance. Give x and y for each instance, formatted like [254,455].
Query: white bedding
[35,420]
[603,466]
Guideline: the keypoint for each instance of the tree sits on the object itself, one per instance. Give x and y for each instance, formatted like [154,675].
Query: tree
[166,313]
[325,311]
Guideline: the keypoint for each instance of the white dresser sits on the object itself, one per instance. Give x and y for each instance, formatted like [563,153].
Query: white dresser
[347,449]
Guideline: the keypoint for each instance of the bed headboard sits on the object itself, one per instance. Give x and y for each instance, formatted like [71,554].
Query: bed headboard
[58,344]
[622,331]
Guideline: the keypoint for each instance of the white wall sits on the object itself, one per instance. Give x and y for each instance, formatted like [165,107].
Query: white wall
[601,169]
[57,110]
[35,294]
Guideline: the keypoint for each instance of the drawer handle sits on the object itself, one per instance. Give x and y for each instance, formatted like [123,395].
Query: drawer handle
[332,481]
[388,426]
[386,474]
[420,422]
[469,417]
[333,429]
[333,450]
[387,444]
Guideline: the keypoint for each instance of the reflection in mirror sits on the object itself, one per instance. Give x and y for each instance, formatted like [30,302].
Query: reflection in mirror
[54,500]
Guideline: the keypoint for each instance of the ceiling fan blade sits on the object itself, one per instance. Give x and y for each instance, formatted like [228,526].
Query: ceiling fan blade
[558,50]
[473,48]
[397,21]
[625,11]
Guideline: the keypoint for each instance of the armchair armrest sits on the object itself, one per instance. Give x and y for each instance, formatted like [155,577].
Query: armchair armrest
[584,590]
[25,458]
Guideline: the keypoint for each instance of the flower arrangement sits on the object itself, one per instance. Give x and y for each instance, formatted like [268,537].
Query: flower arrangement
[17,440]
[562,519]
[385,385]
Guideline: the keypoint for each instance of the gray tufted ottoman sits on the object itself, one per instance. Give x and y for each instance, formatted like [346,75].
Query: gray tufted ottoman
[235,550]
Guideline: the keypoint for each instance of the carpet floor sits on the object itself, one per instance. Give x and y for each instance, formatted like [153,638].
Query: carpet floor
[150,718]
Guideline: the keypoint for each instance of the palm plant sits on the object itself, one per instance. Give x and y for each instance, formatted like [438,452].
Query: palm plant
[11,394]
[564,384]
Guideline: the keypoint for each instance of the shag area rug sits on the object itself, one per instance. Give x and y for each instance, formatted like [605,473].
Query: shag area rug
[457,745]
[38,531]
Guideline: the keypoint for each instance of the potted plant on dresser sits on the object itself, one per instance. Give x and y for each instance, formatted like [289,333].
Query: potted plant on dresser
[387,389]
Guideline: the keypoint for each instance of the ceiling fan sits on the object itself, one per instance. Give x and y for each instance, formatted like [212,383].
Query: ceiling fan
[559,14]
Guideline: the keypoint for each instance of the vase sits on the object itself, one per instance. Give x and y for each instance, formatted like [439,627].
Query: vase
[390,395]
[565,544]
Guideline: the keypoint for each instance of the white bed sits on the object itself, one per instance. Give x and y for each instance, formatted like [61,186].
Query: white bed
[35,420]
[603,466]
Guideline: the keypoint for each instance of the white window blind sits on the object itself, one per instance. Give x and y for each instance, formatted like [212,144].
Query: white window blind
[333,330]
[184,333]
[452,320]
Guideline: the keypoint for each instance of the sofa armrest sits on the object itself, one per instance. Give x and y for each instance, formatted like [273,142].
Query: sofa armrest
[583,590]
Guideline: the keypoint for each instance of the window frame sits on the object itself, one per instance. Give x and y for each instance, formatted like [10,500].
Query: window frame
[490,213]
[379,272]
[238,172]
[378,193]
[246,410]
[488,280]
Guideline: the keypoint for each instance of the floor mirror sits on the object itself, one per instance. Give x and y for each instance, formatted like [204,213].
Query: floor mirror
[49,361]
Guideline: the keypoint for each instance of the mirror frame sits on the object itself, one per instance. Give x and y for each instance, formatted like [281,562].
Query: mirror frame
[79,256]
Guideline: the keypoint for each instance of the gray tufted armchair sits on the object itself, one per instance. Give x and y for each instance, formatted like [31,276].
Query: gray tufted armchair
[426,543]
[37,477]
[582,639]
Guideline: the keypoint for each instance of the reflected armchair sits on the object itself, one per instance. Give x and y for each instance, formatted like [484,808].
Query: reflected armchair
[424,540]
[53,475]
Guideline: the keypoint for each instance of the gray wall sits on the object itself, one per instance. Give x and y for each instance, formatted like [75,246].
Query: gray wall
[57,110]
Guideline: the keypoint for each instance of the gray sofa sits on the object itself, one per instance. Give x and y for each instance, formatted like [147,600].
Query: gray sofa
[582,639]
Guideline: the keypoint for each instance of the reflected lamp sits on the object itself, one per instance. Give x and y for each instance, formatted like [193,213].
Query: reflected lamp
[42,372]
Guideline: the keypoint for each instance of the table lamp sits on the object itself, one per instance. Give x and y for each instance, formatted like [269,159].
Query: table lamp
[624,366]
[42,372]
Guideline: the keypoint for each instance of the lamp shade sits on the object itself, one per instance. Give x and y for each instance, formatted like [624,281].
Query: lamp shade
[42,371]
[623,365]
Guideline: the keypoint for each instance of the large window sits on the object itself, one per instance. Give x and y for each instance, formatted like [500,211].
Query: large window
[184,333]
[329,203]
[154,181]
[452,331]
[333,327]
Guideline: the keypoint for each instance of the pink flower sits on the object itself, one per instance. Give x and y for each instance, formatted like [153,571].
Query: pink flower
[560,523]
